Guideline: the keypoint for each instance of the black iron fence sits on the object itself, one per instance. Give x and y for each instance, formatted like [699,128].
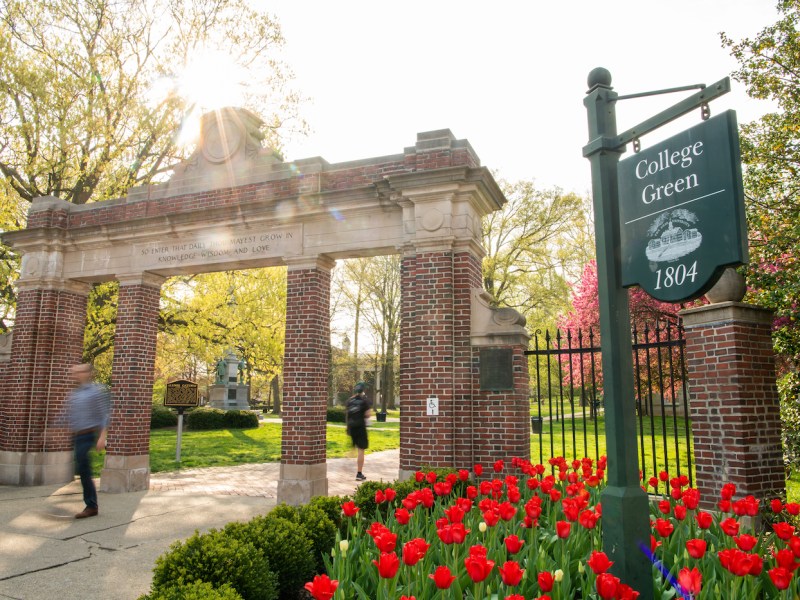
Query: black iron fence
[567,414]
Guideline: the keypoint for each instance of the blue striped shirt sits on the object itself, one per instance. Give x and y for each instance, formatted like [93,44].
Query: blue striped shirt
[88,407]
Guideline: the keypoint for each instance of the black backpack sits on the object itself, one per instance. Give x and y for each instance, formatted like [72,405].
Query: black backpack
[355,411]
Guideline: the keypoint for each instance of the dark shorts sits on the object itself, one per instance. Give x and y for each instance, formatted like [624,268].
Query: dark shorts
[358,433]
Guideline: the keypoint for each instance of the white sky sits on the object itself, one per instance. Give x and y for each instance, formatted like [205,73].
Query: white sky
[509,76]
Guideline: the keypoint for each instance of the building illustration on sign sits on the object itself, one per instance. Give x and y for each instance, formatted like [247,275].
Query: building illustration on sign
[672,236]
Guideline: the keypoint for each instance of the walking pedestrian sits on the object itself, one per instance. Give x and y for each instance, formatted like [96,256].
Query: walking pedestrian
[358,407]
[88,408]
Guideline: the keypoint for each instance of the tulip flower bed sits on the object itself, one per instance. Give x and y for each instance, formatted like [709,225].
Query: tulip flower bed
[537,534]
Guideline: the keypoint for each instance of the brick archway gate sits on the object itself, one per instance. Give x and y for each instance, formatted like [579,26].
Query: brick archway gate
[235,205]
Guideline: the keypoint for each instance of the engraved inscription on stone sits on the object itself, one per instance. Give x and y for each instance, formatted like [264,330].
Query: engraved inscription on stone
[181,393]
[497,369]
[223,247]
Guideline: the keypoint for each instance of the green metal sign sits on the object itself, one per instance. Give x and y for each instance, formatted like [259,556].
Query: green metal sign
[681,211]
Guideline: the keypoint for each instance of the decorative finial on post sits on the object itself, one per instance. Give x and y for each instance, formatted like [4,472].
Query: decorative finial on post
[599,76]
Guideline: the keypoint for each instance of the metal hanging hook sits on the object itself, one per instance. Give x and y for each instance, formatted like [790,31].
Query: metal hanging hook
[705,111]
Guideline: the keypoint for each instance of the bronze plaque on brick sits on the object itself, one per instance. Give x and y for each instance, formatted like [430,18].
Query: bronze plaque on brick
[181,393]
[497,369]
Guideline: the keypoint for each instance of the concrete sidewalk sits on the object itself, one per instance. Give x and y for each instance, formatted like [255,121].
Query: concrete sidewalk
[46,554]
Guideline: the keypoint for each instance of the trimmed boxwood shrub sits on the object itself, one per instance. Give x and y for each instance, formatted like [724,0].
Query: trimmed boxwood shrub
[321,530]
[161,416]
[331,506]
[216,558]
[337,414]
[240,419]
[206,418]
[199,590]
[286,545]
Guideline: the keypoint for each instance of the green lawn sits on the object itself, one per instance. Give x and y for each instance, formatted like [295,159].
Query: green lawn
[557,440]
[239,446]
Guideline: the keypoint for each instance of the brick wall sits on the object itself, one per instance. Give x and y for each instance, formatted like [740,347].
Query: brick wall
[333,177]
[502,419]
[735,408]
[133,370]
[48,340]
[305,366]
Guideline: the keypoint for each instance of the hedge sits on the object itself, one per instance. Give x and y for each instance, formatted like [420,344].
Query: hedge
[204,419]
[161,416]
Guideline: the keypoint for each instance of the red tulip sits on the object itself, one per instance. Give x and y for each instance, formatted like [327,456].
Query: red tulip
[696,548]
[626,592]
[491,518]
[498,466]
[414,551]
[387,564]
[380,498]
[690,581]
[350,509]
[680,512]
[664,507]
[606,585]
[431,477]
[728,491]
[507,511]
[442,578]
[793,508]
[510,573]
[419,476]
[453,534]
[785,559]
[664,527]
[518,597]
[513,544]
[386,541]
[776,505]
[322,588]
[442,488]
[730,526]
[402,516]
[781,578]
[704,519]
[454,514]
[588,519]
[390,494]
[478,470]
[563,529]
[478,567]
[691,498]
[794,544]
[745,542]
[599,563]
[408,598]
[545,580]
[783,530]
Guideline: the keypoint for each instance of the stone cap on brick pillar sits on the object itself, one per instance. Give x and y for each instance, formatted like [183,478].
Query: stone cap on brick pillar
[146,279]
[492,326]
[301,263]
[5,346]
[725,312]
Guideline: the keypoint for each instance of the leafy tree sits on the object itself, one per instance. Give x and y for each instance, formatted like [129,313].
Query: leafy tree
[97,96]
[769,66]
[205,315]
[535,245]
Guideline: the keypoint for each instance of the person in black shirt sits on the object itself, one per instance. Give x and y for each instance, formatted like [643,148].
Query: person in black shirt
[358,407]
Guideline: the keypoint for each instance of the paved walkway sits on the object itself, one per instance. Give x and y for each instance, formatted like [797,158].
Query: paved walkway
[46,554]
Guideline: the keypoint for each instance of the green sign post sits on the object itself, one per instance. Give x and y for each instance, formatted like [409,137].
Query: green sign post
[626,515]
[681,207]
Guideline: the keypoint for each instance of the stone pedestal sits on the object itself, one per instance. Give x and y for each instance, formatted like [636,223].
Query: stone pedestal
[125,474]
[734,400]
[299,483]
[229,397]
[36,468]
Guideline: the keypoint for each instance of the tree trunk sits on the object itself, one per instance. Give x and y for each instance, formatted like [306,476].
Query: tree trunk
[276,396]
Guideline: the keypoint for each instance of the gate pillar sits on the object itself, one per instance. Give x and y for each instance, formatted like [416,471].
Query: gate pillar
[304,472]
[127,462]
[733,400]
[35,447]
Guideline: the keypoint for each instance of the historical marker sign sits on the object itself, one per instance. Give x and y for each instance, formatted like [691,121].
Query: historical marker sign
[181,394]
[496,369]
[681,211]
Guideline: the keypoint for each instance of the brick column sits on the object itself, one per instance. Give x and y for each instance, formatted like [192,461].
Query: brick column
[127,464]
[426,367]
[734,400]
[306,362]
[35,448]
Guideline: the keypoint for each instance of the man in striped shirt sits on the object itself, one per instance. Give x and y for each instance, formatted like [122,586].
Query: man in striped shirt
[88,408]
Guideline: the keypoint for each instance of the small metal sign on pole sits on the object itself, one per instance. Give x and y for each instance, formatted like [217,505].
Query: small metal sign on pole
[181,394]
[645,235]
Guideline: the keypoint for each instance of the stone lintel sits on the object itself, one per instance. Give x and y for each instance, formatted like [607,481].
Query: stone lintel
[70,286]
[125,474]
[492,326]
[36,468]
[725,312]
[299,483]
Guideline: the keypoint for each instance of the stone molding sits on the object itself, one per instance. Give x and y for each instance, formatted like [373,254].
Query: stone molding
[495,326]
[725,312]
